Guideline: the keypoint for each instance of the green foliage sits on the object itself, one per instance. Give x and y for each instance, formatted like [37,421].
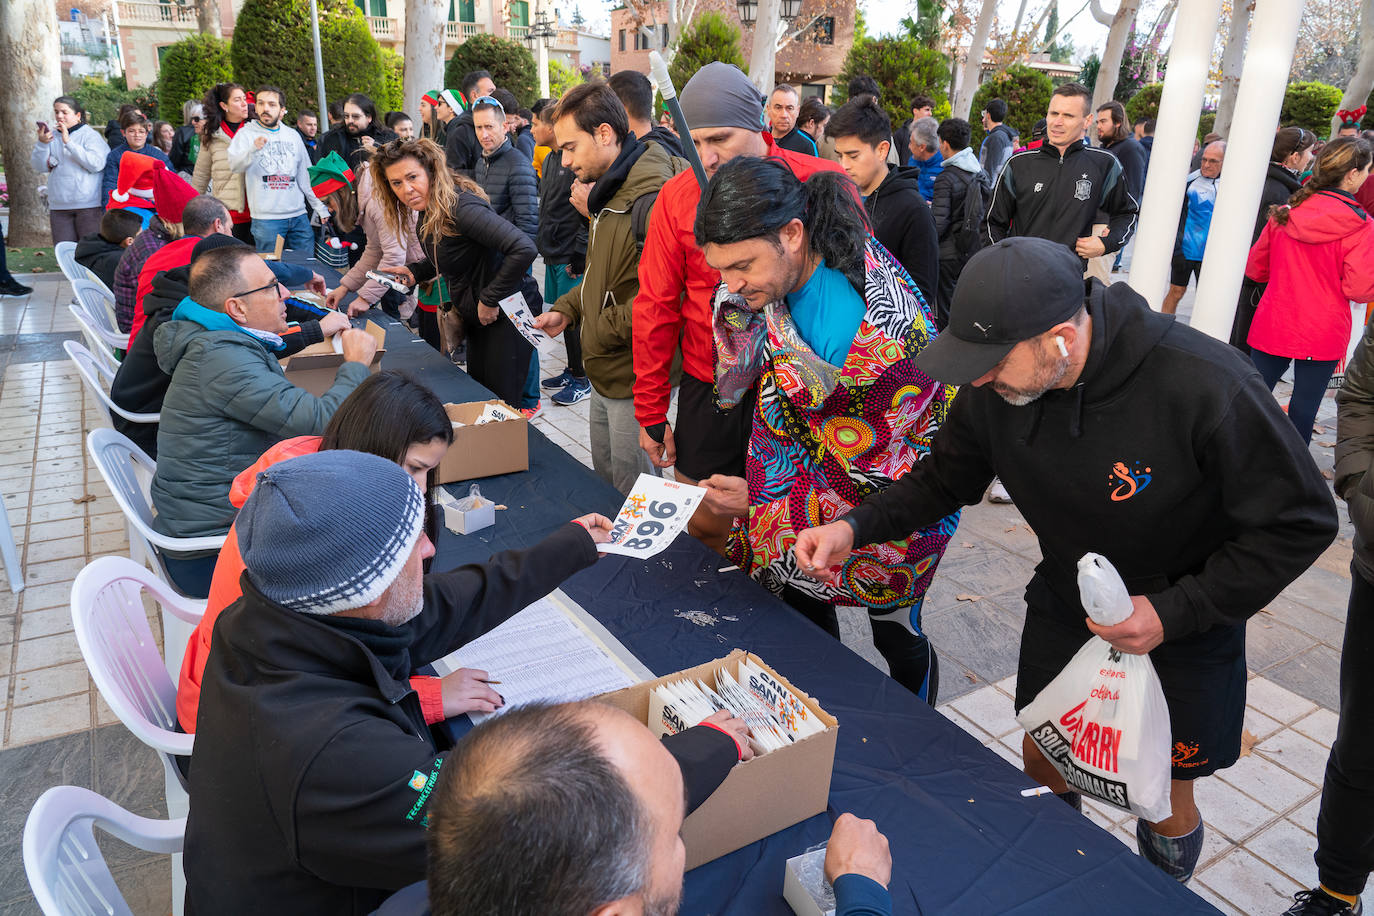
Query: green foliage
[903,67]
[190,67]
[102,99]
[1026,92]
[393,76]
[509,62]
[1059,47]
[710,37]
[273,47]
[1205,122]
[1087,74]
[1311,105]
[1145,103]
[562,78]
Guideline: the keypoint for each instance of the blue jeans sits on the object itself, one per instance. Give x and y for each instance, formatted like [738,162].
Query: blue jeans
[1309,385]
[296,231]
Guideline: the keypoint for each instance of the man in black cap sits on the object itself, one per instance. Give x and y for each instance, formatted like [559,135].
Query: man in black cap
[1090,407]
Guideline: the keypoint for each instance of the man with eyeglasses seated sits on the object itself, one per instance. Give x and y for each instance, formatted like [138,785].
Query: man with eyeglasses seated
[229,400]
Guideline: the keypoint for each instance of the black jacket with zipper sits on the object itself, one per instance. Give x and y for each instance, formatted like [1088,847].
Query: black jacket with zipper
[903,224]
[350,146]
[507,175]
[314,765]
[1050,195]
[1169,457]
[1355,449]
[562,235]
[99,257]
[461,148]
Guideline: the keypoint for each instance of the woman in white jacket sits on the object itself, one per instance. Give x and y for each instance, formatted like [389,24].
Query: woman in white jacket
[74,153]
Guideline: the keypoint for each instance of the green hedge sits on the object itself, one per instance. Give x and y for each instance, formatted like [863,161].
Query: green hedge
[1145,103]
[710,37]
[509,62]
[189,68]
[272,46]
[102,99]
[1311,105]
[393,73]
[903,68]
[1027,94]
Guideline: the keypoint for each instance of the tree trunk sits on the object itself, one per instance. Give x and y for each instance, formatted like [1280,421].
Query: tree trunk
[973,67]
[30,57]
[1362,80]
[1110,72]
[424,52]
[763,57]
[207,18]
[1231,60]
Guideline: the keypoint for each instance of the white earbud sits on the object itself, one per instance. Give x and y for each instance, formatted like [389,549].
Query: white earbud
[1063,350]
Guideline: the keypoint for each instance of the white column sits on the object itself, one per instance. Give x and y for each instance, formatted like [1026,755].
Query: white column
[542,61]
[1190,59]
[1273,37]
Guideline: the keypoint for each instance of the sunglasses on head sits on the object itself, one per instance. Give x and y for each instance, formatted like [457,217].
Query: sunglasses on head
[488,100]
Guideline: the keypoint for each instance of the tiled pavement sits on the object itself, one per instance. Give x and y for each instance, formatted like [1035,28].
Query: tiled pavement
[55,729]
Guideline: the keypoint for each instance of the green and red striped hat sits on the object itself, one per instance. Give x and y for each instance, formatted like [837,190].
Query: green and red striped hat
[431,97]
[330,174]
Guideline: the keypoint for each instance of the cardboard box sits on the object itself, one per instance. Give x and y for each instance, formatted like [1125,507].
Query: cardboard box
[465,522]
[486,450]
[314,367]
[760,797]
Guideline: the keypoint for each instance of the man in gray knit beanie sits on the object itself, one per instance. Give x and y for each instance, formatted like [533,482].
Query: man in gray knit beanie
[313,764]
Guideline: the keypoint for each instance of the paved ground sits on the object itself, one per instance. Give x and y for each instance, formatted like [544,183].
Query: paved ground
[55,729]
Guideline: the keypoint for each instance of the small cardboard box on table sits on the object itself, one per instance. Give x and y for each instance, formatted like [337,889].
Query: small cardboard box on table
[501,447]
[760,797]
[314,367]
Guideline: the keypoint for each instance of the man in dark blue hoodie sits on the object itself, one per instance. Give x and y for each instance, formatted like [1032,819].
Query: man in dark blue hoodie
[1089,408]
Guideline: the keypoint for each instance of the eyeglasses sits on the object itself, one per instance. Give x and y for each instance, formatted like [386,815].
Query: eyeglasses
[195,118]
[272,286]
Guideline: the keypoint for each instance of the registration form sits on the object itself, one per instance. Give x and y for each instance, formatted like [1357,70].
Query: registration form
[552,651]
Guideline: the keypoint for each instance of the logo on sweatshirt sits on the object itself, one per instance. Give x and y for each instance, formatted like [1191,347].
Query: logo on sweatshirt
[418,781]
[1125,482]
[1082,188]
[1038,186]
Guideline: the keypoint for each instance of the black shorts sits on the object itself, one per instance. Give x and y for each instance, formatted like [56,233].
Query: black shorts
[1203,677]
[1181,269]
[710,440]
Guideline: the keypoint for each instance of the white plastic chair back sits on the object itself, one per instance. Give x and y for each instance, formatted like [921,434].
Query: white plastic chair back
[66,871]
[98,372]
[99,304]
[66,259]
[96,340]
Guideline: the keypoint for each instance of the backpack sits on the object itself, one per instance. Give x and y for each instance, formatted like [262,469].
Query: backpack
[968,234]
[639,218]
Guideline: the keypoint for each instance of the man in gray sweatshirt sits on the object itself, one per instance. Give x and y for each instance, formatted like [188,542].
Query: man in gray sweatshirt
[274,161]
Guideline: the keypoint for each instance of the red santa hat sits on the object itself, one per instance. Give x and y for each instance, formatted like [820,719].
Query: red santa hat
[146,184]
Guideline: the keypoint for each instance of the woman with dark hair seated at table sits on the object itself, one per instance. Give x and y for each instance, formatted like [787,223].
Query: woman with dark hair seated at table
[482,256]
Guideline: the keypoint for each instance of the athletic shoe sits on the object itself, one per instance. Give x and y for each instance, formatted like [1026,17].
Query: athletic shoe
[531,412]
[579,389]
[998,493]
[1318,902]
[558,381]
[14,290]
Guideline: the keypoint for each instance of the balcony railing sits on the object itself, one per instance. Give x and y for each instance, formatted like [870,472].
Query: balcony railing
[92,49]
[383,28]
[139,13]
[455,33]
[518,32]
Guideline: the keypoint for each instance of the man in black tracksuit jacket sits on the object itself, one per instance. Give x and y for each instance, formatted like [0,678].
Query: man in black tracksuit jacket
[461,149]
[903,223]
[1056,191]
[1149,443]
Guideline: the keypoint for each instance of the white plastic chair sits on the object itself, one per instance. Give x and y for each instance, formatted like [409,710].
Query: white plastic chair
[137,682]
[66,871]
[99,304]
[97,340]
[10,552]
[93,369]
[66,259]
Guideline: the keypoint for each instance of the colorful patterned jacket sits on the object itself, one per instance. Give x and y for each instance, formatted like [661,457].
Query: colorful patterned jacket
[825,437]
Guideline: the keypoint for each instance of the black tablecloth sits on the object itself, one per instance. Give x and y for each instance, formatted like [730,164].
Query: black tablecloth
[963,839]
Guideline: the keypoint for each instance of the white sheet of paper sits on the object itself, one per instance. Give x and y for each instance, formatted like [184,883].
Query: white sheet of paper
[552,651]
[654,514]
[520,315]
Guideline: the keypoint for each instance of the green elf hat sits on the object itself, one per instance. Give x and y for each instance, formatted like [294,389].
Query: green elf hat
[453,100]
[330,174]
[431,98]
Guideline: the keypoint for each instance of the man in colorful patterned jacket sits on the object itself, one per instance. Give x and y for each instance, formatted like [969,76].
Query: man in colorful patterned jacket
[827,324]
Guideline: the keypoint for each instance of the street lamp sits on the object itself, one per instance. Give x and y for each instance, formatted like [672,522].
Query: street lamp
[748,10]
[541,30]
[791,9]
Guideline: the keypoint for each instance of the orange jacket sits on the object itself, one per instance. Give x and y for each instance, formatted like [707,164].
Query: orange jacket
[225,590]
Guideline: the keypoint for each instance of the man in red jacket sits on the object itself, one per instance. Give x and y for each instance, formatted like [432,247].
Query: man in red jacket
[676,289]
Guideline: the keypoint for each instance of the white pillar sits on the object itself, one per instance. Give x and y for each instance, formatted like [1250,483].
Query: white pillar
[1190,60]
[543,64]
[1273,37]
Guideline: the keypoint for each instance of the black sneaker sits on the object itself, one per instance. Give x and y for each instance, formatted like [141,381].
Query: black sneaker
[14,289]
[1318,902]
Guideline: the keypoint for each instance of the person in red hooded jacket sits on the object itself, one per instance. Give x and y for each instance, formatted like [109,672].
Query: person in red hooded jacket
[1317,254]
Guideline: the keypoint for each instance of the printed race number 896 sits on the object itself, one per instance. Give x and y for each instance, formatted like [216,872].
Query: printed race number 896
[657,510]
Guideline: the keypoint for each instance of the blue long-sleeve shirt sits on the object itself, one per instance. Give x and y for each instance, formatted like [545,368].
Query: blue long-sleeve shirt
[109,179]
[857,895]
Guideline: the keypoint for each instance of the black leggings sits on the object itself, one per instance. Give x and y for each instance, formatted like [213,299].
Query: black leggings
[1345,826]
[1309,385]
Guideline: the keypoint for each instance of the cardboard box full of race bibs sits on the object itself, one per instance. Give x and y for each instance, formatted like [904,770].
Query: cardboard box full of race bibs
[314,367]
[786,782]
[489,438]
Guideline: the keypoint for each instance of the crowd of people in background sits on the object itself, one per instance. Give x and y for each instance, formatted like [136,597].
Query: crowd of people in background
[827,240]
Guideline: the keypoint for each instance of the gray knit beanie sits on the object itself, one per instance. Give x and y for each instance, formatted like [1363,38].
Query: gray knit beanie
[329,532]
[720,95]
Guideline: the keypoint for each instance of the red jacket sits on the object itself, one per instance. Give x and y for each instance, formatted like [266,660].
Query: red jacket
[677,287]
[1315,265]
[169,256]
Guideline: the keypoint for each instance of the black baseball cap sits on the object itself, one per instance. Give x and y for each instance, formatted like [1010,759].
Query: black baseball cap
[1007,293]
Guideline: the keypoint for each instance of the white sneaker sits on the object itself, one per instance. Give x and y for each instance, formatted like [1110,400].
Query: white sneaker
[998,493]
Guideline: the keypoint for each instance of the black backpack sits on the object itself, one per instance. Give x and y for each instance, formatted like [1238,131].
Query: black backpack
[968,234]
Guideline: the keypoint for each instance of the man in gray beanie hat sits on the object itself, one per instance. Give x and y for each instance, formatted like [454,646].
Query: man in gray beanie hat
[313,764]
[677,288]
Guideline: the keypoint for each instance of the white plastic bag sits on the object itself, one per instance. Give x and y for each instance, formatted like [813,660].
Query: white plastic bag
[1103,722]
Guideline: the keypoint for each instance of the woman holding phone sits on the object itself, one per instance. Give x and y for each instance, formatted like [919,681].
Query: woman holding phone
[73,154]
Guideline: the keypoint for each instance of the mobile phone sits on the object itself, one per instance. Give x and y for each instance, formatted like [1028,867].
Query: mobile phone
[43,125]
[388,281]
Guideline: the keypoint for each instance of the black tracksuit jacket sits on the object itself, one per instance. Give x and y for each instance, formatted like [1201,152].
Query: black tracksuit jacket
[903,224]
